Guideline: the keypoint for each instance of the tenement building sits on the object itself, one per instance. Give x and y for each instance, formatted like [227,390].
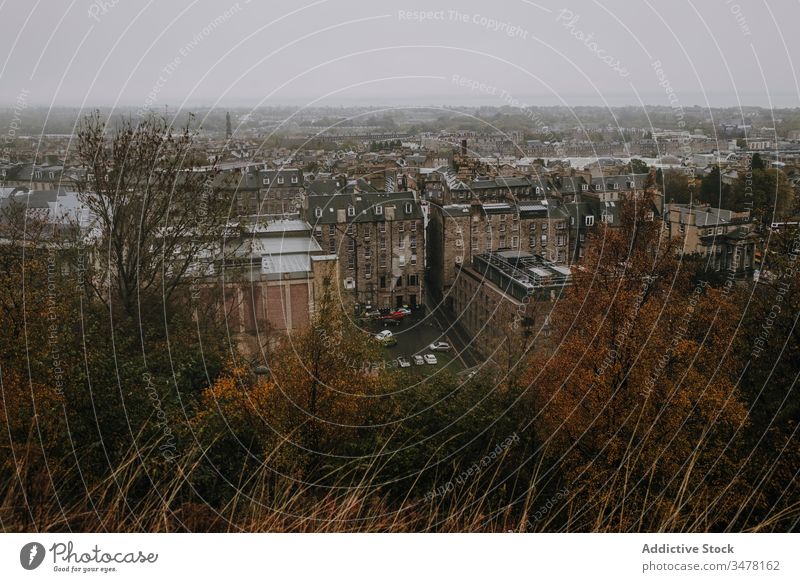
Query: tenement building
[459,232]
[380,240]
[507,296]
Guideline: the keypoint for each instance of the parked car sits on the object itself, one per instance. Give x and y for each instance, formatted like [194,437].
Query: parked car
[403,310]
[397,314]
[403,362]
[439,347]
[419,360]
[430,359]
[383,335]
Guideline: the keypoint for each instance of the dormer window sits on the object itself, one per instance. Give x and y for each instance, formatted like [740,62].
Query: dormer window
[351,210]
[294,179]
[378,210]
[616,186]
[590,220]
[538,190]
[318,212]
[584,187]
[409,208]
[266,181]
[280,180]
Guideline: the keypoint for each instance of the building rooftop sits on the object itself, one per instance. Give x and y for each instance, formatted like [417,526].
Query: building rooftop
[521,274]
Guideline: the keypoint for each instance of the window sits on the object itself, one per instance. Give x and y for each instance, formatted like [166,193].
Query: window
[533,227]
[616,186]
[503,227]
[367,271]
[331,229]
[544,240]
[294,179]
[719,230]
[401,227]
[383,243]
[266,181]
[413,241]
[367,252]
[514,242]
[413,226]
[459,242]
[383,282]
[382,227]
[582,237]
[413,259]
[351,262]
[332,246]
[409,208]
[401,243]
[502,241]
[399,282]
[351,245]
[318,212]
[349,229]
[280,180]
[561,225]
[584,187]
[590,220]
[378,210]
[561,240]
[351,210]
[649,216]
[607,218]
[382,261]
[412,280]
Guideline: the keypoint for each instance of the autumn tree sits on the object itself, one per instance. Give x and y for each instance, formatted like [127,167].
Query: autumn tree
[634,409]
[157,216]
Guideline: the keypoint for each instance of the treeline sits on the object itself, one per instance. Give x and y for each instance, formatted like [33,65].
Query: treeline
[766,192]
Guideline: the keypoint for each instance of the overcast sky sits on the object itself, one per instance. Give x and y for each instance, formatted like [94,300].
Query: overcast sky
[611,52]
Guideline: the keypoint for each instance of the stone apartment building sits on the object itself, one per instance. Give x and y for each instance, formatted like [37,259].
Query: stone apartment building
[459,232]
[725,238]
[380,240]
[507,296]
[255,189]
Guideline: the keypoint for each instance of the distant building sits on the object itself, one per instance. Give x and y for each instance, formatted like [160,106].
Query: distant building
[726,238]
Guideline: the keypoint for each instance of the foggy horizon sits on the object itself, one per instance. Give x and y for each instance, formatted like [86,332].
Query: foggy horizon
[107,53]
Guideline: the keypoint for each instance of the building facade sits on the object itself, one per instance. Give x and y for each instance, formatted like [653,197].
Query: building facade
[380,240]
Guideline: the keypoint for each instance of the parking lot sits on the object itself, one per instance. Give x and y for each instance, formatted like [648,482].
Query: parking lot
[414,334]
